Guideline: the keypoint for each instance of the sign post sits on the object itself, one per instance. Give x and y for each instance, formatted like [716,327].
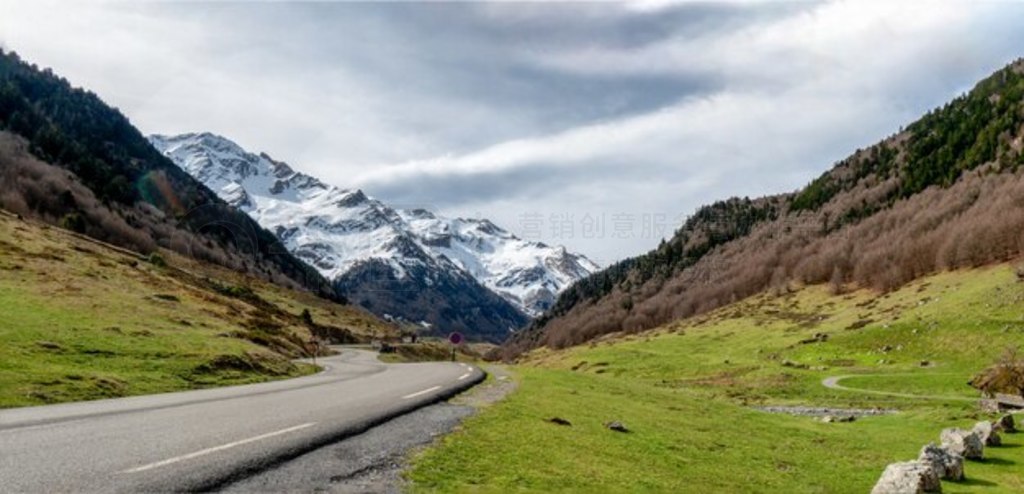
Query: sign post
[455,339]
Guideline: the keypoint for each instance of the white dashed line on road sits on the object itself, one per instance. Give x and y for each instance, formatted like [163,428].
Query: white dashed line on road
[215,449]
[418,393]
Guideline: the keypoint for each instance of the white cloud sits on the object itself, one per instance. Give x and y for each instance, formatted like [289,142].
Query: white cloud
[801,93]
[649,108]
[845,35]
[665,163]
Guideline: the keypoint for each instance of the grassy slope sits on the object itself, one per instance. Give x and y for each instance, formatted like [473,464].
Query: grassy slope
[84,321]
[686,391]
[435,350]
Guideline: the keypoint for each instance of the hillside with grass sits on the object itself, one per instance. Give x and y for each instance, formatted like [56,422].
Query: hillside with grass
[86,320]
[692,393]
[69,159]
[943,193]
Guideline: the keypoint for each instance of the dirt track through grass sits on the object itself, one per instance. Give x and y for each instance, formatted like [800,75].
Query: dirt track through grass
[833,383]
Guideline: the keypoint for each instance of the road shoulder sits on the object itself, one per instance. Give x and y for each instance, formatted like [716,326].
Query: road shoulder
[375,460]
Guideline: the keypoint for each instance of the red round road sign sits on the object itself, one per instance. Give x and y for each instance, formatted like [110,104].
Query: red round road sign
[455,338]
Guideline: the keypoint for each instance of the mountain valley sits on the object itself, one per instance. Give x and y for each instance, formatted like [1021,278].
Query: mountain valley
[416,265]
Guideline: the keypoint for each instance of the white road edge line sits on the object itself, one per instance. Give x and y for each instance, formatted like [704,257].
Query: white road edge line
[215,449]
[464,376]
[418,393]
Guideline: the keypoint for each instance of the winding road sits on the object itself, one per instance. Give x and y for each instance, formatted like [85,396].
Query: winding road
[199,440]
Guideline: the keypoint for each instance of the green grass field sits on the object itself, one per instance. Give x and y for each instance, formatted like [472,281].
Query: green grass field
[84,321]
[688,391]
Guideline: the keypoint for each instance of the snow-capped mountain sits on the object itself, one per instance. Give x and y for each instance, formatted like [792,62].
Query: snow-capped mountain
[528,274]
[341,231]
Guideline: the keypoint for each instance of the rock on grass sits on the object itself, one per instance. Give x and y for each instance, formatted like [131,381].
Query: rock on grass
[949,465]
[964,443]
[616,426]
[987,433]
[910,477]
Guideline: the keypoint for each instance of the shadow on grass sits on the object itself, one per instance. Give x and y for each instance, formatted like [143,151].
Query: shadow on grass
[998,461]
[973,482]
[969,481]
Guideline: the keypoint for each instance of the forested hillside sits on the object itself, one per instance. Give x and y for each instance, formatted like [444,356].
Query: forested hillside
[943,193]
[68,158]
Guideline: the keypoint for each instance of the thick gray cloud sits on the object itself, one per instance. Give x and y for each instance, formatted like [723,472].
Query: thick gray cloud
[550,118]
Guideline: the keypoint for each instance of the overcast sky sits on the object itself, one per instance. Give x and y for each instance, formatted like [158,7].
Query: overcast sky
[598,126]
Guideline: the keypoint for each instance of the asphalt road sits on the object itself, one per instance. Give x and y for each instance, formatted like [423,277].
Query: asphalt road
[201,440]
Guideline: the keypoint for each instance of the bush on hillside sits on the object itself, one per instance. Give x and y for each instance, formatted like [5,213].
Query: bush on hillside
[1006,376]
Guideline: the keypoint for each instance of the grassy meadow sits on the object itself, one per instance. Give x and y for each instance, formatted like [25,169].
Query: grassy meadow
[688,392]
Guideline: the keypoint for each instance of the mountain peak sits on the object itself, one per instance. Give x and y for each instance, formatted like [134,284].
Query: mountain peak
[234,173]
[352,198]
[420,213]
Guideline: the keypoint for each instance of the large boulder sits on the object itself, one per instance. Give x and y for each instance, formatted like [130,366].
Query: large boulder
[987,433]
[964,443]
[910,477]
[949,465]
